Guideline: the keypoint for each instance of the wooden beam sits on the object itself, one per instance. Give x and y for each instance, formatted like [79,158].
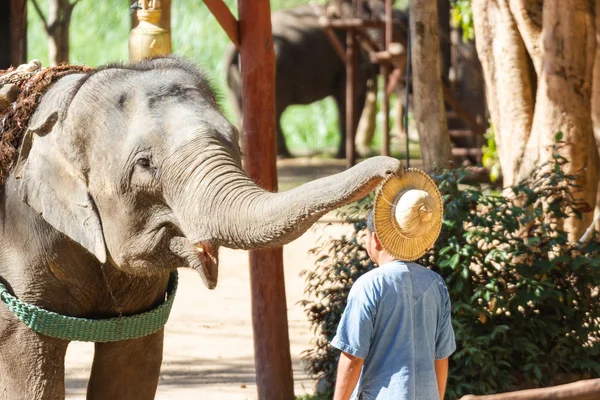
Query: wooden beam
[582,390]
[350,23]
[272,358]
[337,45]
[226,19]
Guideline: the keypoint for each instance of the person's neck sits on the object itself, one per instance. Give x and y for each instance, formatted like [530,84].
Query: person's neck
[384,258]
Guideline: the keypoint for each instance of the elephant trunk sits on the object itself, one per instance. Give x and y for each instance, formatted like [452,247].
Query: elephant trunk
[236,213]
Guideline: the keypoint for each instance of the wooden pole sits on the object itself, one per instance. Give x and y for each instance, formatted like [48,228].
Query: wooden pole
[18,32]
[269,311]
[226,19]
[351,78]
[13,33]
[387,38]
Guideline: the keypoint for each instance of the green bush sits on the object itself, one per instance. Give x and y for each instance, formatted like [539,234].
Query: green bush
[525,302]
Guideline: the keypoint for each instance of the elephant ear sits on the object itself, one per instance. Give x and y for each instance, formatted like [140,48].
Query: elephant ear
[52,186]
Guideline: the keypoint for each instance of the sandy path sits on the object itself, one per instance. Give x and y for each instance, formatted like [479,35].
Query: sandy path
[208,346]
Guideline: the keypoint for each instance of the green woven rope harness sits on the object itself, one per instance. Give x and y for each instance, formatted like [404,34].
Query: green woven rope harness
[59,326]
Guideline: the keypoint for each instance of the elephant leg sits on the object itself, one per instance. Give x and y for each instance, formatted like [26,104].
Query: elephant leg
[31,366]
[127,370]
[282,149]
[366,126]
[400,109]
[341,105]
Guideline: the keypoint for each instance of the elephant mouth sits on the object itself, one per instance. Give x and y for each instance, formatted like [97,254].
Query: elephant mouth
[201,256]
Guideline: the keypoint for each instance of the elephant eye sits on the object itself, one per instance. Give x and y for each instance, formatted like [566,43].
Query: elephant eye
[143,162]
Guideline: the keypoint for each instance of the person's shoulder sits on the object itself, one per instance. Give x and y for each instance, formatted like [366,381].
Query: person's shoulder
[418,269]
[368,278]
[424,278]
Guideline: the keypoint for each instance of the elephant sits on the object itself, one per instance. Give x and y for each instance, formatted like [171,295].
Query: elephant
[124,174]
[308,69]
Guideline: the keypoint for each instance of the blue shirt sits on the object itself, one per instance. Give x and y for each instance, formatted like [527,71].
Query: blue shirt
[398,320]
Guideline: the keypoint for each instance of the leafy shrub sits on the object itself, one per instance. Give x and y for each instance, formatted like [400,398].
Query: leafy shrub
[525,302]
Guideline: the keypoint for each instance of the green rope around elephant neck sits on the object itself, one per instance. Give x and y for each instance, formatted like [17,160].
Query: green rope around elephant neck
[59,326]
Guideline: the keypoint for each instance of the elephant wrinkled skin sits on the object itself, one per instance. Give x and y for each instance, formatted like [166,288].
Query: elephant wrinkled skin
[125,174]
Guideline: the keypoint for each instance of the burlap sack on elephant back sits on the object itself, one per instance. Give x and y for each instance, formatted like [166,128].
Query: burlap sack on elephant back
[21,90]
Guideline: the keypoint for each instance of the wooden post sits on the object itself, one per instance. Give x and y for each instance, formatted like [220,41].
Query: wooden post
[387,38]
[13,33]
[351,78]
[269,311]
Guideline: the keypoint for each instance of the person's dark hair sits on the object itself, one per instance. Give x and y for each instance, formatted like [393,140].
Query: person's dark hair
[370,223]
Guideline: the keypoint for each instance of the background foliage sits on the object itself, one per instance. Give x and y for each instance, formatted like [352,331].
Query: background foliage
[525,301]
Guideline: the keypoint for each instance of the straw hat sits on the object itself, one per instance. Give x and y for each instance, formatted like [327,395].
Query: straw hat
[408,214]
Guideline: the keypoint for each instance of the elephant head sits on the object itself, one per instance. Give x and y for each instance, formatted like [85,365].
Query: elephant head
[138,165]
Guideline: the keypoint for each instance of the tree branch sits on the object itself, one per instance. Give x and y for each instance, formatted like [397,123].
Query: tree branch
[42,17]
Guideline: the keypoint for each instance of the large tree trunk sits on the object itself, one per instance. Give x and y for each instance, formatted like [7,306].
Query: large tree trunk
[509,84]
[528,17]
[430,115]
[563,101]
[538,61]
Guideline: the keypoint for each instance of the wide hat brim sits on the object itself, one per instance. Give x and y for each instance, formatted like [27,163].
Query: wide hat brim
[387,228]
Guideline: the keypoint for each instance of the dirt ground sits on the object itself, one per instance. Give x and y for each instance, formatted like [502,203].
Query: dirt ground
[208,350]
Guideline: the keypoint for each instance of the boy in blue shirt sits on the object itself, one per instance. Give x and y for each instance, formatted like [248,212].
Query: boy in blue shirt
[396,333]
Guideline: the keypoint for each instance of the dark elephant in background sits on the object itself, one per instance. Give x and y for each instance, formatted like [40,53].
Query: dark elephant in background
[125,174]
[307,69]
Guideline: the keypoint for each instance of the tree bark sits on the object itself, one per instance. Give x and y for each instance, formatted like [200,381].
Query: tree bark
[528,16]
[59,20]
[509,85]
[430,115]
[563,102]
[57,28]
[596,98]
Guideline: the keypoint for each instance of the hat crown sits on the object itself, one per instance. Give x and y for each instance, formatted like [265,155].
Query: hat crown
[414,212]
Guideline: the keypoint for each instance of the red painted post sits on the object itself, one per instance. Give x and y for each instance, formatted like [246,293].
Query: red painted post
[269,311]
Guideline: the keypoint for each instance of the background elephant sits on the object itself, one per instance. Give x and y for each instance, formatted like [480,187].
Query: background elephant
[307,69]
[125,174]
